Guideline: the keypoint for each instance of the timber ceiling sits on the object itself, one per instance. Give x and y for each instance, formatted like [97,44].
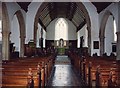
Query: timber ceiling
[69,10]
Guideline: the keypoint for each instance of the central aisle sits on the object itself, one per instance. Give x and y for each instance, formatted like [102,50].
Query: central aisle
[63,74]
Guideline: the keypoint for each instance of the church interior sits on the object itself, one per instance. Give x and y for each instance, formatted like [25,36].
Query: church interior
[59,44]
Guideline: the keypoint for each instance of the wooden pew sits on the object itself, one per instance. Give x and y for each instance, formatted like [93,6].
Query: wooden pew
[16,72]
[88,72]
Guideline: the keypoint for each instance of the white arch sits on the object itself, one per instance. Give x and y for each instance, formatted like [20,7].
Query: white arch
[87,8]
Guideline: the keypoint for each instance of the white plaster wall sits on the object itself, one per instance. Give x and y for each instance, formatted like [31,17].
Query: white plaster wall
[50,35]
[109,35]
[15,34]
[82,32]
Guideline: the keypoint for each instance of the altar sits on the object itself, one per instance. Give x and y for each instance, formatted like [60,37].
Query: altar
[61,51]
[61,46]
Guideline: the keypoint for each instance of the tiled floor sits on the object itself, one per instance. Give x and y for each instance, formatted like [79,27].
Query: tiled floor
[63,75]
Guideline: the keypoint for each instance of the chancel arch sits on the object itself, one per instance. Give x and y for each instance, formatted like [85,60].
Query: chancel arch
[49,16]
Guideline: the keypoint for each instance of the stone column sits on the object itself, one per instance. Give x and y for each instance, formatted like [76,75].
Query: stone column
[118,45]
[102,47]
[5,33]
[5,45]
[22,42]
[89,40]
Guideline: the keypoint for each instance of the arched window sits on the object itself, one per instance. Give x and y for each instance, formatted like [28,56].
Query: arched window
[61,29]
[115,30]
[0,30]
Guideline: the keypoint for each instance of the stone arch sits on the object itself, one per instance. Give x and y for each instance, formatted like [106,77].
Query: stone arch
[5,32]
[102,30]
[86,14]
[22,31]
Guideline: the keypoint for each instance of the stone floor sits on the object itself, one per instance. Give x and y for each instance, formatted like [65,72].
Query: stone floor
[63,74]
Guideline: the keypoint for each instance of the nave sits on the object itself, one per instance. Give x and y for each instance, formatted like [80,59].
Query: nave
[63,74]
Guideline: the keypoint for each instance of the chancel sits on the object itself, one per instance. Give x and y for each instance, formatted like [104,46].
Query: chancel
[59,44]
